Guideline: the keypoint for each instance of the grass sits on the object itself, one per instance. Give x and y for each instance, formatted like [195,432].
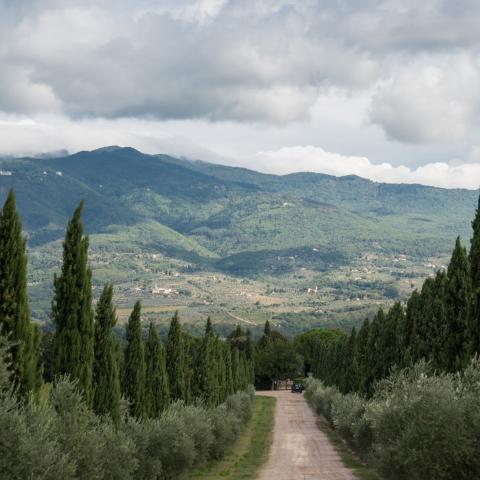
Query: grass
[249,452]
[349,459]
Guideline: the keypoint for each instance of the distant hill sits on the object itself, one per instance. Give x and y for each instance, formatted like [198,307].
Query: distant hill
[234,219]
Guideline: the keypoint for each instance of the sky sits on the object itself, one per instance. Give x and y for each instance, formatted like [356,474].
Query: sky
[388,90]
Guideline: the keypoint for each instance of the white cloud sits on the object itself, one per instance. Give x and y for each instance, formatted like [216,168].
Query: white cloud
[314,159]
[429,100]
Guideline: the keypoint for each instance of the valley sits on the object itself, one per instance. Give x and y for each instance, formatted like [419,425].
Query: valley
[302,250]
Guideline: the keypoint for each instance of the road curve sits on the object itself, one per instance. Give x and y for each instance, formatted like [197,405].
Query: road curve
[300,450]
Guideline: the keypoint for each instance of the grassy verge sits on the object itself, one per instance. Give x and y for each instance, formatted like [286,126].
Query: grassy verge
[349,459]
[249,452]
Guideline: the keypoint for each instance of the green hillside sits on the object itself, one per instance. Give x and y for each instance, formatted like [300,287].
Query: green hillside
[292,231]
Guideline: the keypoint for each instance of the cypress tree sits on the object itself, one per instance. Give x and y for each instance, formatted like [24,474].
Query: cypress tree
[351,358]
[267,331]
[209,327]
[106,382]
[207,368]
[72,311]
[14,312]
[458,304]
[410,338]
[475,249]
[134,367]
[157,392]
[236,376]
[434,322]
[392,338]
[266,337]
[474,256]
[221,370]
[177,361]
[374,352]
[229,386]
[249,352]
[362,355]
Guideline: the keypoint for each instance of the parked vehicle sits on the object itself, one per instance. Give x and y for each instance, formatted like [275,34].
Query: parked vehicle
[297,388]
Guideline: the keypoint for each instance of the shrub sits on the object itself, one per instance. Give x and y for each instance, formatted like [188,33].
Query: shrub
[419,428]
[321,397]
[418,425]
[172,441]
[346,412]
[119,460]
[225,429]
[77,430]
[148,463]
[199,428]
[57,437]
[241,405]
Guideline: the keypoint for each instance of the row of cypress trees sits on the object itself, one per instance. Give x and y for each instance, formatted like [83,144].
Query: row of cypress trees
[85,347]
[440,323]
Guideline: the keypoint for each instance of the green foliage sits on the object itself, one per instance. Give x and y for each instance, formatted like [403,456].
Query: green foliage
[133,380]
[276,359]
[106,379]
[438,325]
[308,343]
[72,312]
[14,311]
[157,395]
[177,366]
[207,369]
[61,438]
[407,429]
[458,305]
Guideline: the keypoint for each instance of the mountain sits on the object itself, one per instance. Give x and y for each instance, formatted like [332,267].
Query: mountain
[207,217]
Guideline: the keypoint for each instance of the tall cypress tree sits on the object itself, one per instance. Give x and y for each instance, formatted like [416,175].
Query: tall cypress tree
[458,303]
[14,312]
[229,386]
[362,355]
[249,352]
[392,334]
[177,361]
[410,330]
[72,311]
[266,337]
[133,382]
[106,381]
[221,370]
[474,324]
[236,375]
[207,368]
[157,391]
[475,249]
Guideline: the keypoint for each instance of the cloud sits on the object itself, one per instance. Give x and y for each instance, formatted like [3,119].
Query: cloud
[267,61]
[210,60]
[314,159]
[429,101]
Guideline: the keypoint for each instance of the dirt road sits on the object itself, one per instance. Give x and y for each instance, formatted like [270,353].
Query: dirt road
[300,450]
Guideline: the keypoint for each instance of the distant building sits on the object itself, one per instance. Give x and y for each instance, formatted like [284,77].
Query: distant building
[156,290]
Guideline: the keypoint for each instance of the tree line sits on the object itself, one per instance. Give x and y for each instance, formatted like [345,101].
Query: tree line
[84,347]
[439,324]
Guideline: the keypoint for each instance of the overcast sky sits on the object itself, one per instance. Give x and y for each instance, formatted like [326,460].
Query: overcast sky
[389,90]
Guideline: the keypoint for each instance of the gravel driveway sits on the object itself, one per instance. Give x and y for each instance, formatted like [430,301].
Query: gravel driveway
[300,450]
